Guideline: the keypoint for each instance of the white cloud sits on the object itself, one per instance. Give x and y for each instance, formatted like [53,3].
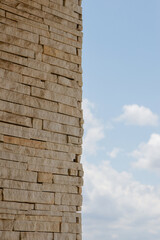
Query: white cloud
[118,207]
[115,205]
[148,154]
[94,129]
[138,115]
[114,153]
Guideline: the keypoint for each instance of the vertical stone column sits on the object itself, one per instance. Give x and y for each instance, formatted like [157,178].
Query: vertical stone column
[40,119]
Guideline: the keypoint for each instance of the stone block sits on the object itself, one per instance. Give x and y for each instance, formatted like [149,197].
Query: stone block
[15,205]
[49,50]
[36,236]
[32,226]
[72,172]
[16,119]
[37,123]
[18,174]
[64,236]
[71,228]
[77,181]
[55,97]
[9,235]
[6,225]
[1,192]
[60,46]
[28,196]
[41,123]
[45,177]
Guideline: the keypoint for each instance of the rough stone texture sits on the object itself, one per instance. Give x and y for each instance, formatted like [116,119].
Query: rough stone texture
[41,121]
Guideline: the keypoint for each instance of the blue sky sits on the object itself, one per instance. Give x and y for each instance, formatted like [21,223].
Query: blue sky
[121,92]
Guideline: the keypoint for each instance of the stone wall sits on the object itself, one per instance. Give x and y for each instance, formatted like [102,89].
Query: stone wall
[40,119]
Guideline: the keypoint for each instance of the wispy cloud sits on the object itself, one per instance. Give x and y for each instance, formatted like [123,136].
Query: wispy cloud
[114,153]
[138,115]
[94,129]
[116,206]
[148,154]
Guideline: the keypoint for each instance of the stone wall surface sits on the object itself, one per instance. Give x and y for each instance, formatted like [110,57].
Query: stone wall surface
[41,122]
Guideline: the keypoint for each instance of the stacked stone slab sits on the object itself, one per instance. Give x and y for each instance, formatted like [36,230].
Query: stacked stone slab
[40,119]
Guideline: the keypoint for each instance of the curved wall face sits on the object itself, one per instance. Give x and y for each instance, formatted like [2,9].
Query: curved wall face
[40,119]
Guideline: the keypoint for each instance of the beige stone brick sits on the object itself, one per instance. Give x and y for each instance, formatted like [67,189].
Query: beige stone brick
[26,20]
[36,226]
[10,164]
[45,177]
[63,208]
[41,93]
[74,140]
[49,50]
[62,89]
[72,21]
[19,33]
[57,6]
[77,181]
[40,119]
[37,123]
[31,133]
[36,113]
[71,228]
[47,169]
[1,138]
[17,41]
[59,188]
[11,156]
[8,235]
[18,174]
[28,196]
[38,65]
[58,198]
[69,110]
[61,128]
[40,218]
[6,216]
[16,206]
[63,27]
[1,192]
[68,199]
[79,237]
[67,73]
[27,100]
[72,172]
[63,33]
[6,225]
[64,236]
[43,2]
[25,142]
[65,40]
[67,82]
[42,207]
[61,63]
[33,29]
[59,46]
[12,184]
[80,173]
[71,199]
[32,3]
[13,86]
[16,50]
[36,236]
[2,13]
[19,120]
[22,10]
[32,82]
